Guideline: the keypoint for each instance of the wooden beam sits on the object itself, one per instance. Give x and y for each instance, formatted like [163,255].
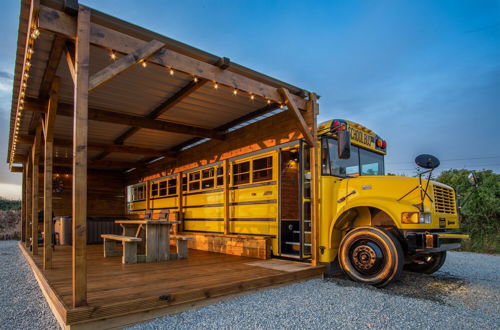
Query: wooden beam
[252,115]
[28,139]
[135,121]
[80,136]
[226,197]
[61,23]
[56,51]
[23,206]
[313,108]
[17,169]
[163,107]
[35,183]
[125,63]
[50,120]
[69,51]
[70,7]
[28,199]
[304,129]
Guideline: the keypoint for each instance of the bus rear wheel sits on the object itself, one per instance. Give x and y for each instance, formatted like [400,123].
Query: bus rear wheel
[371,255]
[427,263]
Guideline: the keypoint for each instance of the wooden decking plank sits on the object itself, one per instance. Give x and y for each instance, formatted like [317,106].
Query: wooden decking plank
[116,290]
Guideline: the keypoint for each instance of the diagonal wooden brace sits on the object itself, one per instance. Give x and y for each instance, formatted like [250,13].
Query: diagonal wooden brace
[124,63]
[295,110]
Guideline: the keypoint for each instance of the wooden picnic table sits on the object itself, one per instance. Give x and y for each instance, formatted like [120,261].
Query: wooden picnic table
[157,236]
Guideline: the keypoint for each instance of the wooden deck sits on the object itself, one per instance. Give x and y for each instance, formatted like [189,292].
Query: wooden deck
[121,294]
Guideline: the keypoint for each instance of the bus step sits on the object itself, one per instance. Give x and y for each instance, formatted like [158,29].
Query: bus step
[292,243]
[287,255]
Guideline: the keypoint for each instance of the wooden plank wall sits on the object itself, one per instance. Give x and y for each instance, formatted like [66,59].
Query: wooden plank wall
[105,194]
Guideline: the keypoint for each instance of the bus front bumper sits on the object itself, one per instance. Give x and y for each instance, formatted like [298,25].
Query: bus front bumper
[425,242]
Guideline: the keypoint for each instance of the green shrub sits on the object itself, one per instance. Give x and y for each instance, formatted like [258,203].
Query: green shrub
[481,213]
[7,204]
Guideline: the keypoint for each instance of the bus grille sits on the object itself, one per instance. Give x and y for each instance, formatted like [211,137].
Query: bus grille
[444,200]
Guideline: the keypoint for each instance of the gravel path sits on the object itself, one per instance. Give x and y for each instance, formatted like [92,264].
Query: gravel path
[22,305]
[464,294]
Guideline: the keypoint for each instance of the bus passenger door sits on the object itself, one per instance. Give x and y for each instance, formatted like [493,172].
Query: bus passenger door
[294,192]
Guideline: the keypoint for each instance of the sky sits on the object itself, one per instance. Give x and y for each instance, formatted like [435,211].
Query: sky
[424,75]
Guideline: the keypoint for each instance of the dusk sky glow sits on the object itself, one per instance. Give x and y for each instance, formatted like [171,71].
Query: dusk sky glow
[424,75]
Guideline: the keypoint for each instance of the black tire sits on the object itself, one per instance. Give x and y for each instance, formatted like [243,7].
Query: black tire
[427,264]
[371,255]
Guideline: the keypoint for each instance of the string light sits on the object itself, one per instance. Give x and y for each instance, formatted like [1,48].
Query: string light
[216,86]
[144,64]
[112,55]
[30,51]
[28,64]
[35,33]
[281,106]
[235,92]
[252,97]
[195,79]
[268,101]
[171,71]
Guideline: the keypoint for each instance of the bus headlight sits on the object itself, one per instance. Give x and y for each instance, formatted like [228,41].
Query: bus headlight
[426,218]
[416,218]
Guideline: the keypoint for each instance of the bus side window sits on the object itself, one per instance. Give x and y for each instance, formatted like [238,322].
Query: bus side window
[154,190]
[194,181]
[241,173]
[172,187]
[184,183]
[220,176]
[262,169]
[207,176]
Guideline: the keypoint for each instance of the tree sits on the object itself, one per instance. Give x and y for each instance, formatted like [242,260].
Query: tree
[481,213]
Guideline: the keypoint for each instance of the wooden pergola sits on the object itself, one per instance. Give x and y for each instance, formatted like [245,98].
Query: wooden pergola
[92,92]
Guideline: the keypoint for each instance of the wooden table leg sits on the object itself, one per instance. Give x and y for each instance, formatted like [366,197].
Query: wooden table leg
[151,243]
[164,243]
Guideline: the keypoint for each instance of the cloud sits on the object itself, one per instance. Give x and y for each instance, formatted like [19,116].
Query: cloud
[6,75]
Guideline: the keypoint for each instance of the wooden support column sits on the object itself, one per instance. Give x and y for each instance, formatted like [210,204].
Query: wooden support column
[50,120]
[35,184]
[226,197]
[180,226]
[80,133]
[313,107]
[23,207]
[27,197]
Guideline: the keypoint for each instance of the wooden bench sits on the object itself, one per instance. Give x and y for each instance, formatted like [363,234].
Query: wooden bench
[129,255]
[181,242]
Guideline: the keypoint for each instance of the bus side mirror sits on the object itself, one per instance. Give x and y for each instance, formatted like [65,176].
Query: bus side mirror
[472,179]
[344,144]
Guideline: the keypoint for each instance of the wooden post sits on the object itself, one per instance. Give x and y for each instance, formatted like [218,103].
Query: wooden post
[35,183]
[226,197]
[47,177]
[80,133]
[180,197]
[28,201]
[23,207]
[313,107]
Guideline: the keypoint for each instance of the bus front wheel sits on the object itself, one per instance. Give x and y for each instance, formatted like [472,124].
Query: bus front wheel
[371,255]
[427,264]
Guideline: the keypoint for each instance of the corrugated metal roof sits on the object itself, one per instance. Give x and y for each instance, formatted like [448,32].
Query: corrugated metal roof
[137,91]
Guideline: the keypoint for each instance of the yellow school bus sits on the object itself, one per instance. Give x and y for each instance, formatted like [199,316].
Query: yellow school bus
[370,224]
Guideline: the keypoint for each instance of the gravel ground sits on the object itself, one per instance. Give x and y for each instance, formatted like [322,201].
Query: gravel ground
[22,305]
[465,293]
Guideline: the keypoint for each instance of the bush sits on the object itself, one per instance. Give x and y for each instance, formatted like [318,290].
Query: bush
[7,204]
[481,213]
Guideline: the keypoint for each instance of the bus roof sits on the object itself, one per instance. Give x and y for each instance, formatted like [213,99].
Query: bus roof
[360,135]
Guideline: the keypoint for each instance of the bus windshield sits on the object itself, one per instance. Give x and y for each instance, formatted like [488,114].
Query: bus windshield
[361,162]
